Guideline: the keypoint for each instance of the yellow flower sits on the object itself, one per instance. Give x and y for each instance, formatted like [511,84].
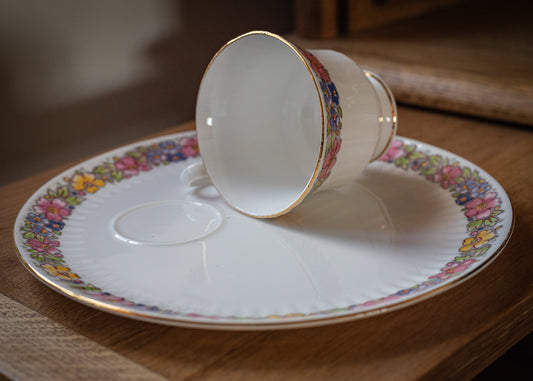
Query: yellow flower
[479,240]
[60,271]
[87,182]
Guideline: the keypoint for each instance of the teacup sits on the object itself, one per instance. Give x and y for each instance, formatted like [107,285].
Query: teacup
[276,122]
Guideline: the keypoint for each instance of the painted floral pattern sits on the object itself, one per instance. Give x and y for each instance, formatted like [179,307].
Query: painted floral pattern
[42,227]
[471,192]
[333,118]
[44,222]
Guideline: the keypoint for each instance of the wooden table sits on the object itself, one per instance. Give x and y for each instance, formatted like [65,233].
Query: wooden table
[455,335]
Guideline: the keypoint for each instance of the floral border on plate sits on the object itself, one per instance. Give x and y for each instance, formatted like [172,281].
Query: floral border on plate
[42,227]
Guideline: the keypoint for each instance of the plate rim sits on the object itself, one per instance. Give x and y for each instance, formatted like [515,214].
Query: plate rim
[244,323]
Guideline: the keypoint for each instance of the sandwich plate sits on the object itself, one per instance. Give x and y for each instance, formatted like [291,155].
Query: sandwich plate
[124,233]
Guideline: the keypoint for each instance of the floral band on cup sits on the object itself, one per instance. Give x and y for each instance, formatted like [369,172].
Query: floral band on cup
[334,116]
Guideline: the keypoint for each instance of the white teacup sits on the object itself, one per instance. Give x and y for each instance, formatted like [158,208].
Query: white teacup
[276,122]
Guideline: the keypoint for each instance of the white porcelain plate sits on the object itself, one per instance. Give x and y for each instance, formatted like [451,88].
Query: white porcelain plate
[123,233]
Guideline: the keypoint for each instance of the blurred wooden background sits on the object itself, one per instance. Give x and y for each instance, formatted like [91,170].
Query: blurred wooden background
[81,77]
[469,57]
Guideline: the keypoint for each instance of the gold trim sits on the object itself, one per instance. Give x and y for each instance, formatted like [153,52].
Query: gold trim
[287,323]
[393,108]
[280,324]
[309,186]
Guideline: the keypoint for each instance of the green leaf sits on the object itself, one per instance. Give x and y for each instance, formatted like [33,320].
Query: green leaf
[63,191]
[402,162]
[52,193]
[429,171]
[101,169]
[330,144]
[90,287]
[474,225]
[491,221]
[435,159]
[416,156]
[445,162]
[117,175]
[29,235]
[496,212]
[481,251]
[409,149]
[466,172]
[40,238]
[462,258]
[72,200]
[133,154]
[38,257]
[54,258]
[458,180]
[340,110]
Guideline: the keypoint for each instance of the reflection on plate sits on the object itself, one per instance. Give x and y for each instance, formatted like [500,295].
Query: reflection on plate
[122,233]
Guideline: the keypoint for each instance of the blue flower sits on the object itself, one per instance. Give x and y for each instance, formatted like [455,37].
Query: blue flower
[473,188]
[155,156]
[32,218]
[463,198]
[333,92]
[54,226]
[334,119]
[40,229]
[480,189]
[326,91]
[171,151]
[405,291]
[466,186]
[164,152]
[175,157]
[168,146]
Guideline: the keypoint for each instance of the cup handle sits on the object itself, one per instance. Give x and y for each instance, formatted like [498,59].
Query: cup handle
[194,174]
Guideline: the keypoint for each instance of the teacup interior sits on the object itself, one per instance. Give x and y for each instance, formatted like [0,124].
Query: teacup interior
[259,124]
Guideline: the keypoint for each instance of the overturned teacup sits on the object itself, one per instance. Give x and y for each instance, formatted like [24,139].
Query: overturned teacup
[276,122]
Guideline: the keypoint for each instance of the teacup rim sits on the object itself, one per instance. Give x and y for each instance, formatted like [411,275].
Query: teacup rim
[310,185]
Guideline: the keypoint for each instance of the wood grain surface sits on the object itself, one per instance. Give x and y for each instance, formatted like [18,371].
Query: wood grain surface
[453,335]
[316,18]
[367,14]
[33,346]
[474,58]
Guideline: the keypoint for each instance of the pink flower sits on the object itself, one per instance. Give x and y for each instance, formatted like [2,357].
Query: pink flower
[54,209]
[446,273]
[317,66]
[44,246]
[189,146]
[394,152]
[370,303]
[390,298]
[130,166]
[447,176]
[110,298]
[330,160]
[481,208]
